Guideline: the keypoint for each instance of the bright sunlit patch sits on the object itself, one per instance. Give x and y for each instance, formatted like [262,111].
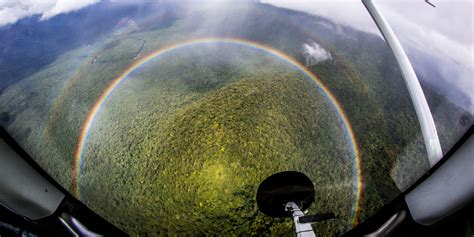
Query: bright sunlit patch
[79,153]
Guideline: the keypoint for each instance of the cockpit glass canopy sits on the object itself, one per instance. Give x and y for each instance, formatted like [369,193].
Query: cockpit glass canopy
[164,117]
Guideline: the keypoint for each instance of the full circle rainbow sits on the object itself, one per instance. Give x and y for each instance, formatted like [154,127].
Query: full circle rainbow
[86,127]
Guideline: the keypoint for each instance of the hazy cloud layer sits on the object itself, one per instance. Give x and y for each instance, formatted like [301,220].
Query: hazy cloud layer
[13,10]
[314,53]
[444,33]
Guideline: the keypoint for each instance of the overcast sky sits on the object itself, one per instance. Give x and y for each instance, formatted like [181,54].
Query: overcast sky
[444,33]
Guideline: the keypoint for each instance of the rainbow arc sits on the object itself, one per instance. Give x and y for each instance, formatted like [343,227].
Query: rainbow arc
[86,127]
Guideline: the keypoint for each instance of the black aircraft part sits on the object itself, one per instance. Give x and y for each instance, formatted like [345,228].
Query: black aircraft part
[317,218]
[280,188]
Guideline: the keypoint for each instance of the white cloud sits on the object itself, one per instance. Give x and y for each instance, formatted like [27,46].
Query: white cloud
[314,53]
[64,6]
[13,10]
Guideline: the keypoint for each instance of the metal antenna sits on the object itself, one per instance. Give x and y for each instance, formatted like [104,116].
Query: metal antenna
[423,112]
[431,4]
[302,229]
